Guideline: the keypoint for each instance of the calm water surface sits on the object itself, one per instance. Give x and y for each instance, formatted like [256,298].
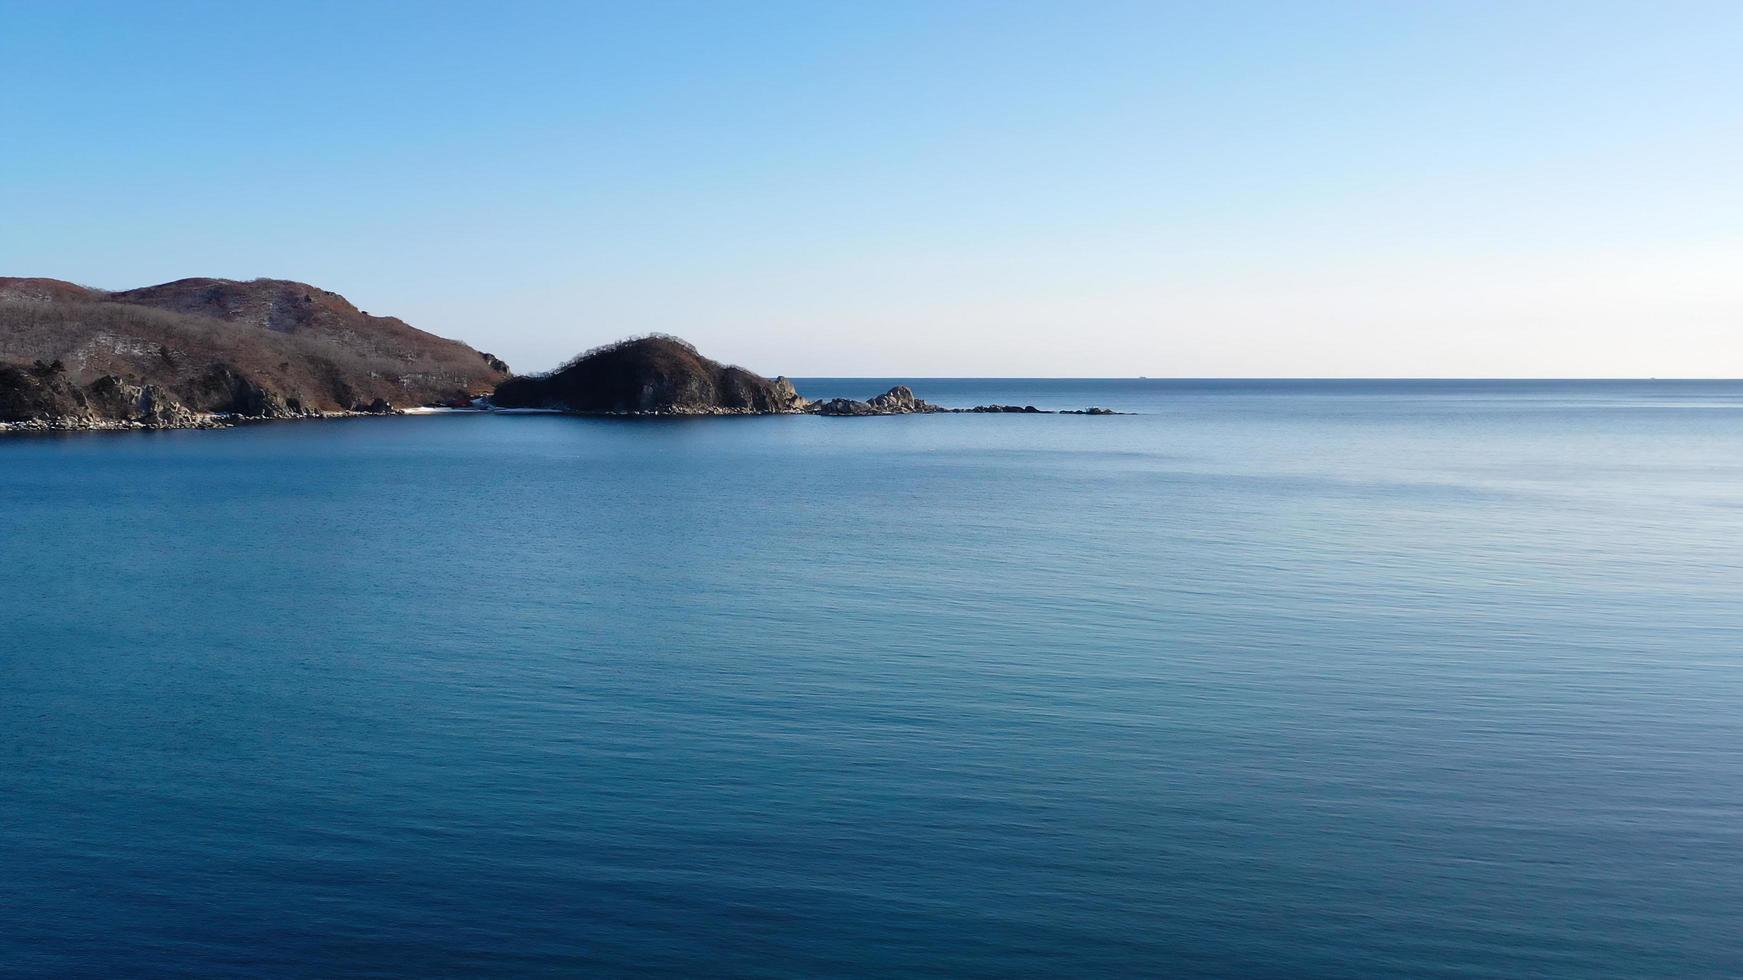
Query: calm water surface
[1273,679]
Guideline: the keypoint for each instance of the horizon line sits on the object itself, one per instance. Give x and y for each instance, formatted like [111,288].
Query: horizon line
[1231,377]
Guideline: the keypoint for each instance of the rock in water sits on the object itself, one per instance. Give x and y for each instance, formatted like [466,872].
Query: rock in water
[650,376]
[899,400]
[844,406]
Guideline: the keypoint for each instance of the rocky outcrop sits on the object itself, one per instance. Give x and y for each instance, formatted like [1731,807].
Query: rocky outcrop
[41,391]
[842,406]
[116,400]
[44,397]
[1032,410]
[899,400]
[650,376]
[221,389]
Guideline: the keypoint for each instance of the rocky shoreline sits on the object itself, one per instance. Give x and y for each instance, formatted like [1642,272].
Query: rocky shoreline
[191,421]
[899,400]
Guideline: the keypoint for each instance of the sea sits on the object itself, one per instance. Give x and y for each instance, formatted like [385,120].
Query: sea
[1263,679]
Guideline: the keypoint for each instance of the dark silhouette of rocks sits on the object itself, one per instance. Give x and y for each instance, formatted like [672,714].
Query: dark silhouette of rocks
[656,375]
[40,392]
[223,389]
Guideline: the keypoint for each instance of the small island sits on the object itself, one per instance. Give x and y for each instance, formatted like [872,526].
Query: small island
[660,375]
[654,375]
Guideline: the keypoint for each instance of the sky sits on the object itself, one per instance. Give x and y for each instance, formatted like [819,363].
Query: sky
[1079,188]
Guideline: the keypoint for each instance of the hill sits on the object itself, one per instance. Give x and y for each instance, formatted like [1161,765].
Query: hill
[650,375]
[268,348]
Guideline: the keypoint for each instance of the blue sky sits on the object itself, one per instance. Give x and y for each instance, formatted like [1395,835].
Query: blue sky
[893,188]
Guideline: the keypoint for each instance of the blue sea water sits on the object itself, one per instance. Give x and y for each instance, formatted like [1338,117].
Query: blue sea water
[1293,679]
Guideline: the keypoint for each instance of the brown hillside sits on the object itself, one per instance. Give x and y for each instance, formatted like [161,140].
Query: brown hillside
[227,346]
[33,290]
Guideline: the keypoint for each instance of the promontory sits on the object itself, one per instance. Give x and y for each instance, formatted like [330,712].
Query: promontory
[194,350]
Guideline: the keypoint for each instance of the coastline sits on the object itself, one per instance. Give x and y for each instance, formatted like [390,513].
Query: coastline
[220,421]
[899,400]
[201,421]
[215,421]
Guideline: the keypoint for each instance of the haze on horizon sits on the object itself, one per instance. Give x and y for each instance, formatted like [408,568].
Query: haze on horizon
[918,188]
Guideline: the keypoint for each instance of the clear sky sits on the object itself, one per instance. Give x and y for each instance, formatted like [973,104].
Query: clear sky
[1067,188]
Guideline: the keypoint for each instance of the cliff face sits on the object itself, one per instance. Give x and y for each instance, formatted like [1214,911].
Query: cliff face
[650,375]
[42,392]
[268,348]
[42,396]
